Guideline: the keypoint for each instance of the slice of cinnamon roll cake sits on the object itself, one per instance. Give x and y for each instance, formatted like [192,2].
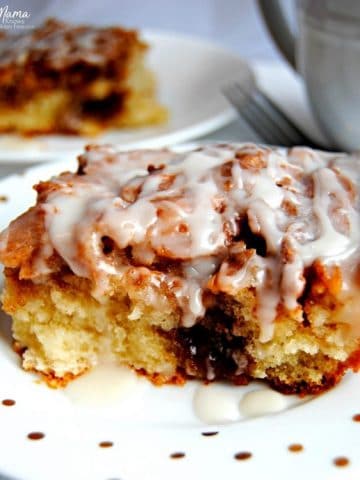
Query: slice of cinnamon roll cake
[232,261]
[75,79]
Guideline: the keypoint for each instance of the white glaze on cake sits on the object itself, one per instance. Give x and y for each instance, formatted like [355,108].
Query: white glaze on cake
[189,208]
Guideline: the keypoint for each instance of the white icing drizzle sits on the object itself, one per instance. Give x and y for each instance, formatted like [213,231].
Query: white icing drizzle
[330,243]
[190,209]
[108,384]
[216,403]
[262,402]
[292,282]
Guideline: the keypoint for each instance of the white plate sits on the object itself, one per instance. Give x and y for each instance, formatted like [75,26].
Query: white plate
[157,422]
[190,75]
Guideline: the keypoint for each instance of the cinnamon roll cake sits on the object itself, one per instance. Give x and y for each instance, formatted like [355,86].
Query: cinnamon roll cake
[232,261]
[61,78]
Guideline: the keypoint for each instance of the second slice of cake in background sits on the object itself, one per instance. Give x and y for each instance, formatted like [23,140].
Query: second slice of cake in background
[60,78]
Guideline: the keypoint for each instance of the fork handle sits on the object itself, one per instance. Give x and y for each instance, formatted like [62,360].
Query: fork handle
[279,29]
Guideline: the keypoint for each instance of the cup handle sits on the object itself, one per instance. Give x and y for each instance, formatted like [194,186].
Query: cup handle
[279,29]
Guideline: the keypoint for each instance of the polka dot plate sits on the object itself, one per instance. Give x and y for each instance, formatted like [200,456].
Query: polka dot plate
[154,432]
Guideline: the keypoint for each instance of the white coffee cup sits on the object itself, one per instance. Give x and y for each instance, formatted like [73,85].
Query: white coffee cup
[326,52]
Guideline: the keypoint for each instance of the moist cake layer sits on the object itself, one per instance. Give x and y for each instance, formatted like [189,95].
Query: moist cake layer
[75,79]
[230,261]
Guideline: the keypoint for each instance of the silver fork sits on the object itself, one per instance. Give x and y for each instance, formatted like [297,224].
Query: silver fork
[265,118]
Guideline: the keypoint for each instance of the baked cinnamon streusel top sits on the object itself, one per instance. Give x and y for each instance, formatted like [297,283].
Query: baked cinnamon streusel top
[216,219]
[58,45]
[57,55]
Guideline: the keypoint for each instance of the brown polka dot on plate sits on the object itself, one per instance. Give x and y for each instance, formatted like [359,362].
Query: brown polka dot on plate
[242,455]
[106,444]
[295,448]
[35,435]
[3,198]
[177,455]
[341,462]
[356,417]
[8,402]
[209,434]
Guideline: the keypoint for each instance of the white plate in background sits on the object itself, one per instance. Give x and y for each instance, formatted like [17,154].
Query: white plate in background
[190,75]
[160,421]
